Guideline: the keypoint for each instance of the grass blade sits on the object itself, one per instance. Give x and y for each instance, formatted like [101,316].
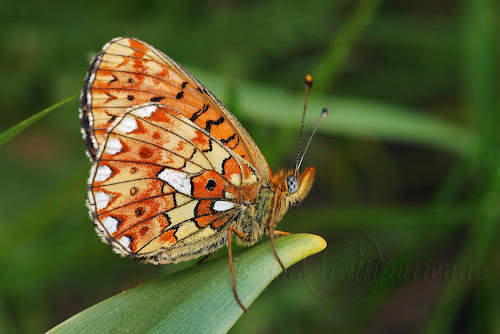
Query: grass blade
[13,131]
[199,298]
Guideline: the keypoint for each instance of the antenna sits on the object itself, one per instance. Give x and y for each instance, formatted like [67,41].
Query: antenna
[324,113]
[309,81]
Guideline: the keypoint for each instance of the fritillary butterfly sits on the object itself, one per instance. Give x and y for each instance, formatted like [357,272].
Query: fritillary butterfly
[174,173]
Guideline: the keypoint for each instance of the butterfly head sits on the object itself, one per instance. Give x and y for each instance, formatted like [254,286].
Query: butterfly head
[297,187]
[290,189]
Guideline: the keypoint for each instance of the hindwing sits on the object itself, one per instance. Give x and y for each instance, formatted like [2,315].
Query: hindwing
[165,189]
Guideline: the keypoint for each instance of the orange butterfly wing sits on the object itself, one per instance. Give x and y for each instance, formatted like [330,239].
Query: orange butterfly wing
[129,72]
[164,189]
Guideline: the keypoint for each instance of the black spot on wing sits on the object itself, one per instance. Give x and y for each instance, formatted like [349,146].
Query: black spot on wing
[225,141]
[111,118]
[199,112]
[211,184]
[209,123]
[157,98]
[237,143]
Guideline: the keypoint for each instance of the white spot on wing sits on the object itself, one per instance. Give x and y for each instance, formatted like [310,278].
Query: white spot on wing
[125,242]
[101,199]
[236,179]
[223,205]
[110,223]
[103,173]
[113,146]
[146,111]
[177,180]
[127,125]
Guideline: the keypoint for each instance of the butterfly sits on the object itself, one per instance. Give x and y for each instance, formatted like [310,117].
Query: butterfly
[174,174]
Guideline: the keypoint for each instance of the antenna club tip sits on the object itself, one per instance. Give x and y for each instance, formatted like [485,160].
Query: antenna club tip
[324,112]
[309,80]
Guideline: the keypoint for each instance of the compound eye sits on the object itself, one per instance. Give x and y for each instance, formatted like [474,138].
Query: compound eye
[292,184]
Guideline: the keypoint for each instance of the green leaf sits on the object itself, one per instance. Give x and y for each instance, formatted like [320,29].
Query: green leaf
[199,298]
[13,131]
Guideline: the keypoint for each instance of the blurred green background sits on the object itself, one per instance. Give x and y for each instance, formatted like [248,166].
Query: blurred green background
[409,158]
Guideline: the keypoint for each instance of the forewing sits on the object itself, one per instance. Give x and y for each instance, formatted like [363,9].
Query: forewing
[129,72]
[164,189]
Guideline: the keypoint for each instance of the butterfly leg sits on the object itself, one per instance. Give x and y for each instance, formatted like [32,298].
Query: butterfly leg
[271,234]
[276,232]
[272,231]
[203,258]
[230,255]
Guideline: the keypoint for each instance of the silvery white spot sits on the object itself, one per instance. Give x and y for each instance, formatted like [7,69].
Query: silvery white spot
[127,125]
[125,242]
[223,205]
[111,224]
[177,180]
[101,199]
[103,173]
[145,111]
[113,146]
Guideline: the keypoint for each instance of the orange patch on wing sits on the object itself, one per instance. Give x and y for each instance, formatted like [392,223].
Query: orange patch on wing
[145,152]
[231,167]
[137,151]
[180,146]
[167,237]
[222,131]
[162,115]
[143,189]
[205,220]
[144,232]
[209,184]
[247,172]
[141,129]
[165,73]
[141,49]
[249,192]
[204,207]
[201,141]
[142,212]
[126,171]
[221,221]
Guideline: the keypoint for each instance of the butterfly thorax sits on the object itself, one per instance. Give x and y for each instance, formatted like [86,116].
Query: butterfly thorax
[273,201]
